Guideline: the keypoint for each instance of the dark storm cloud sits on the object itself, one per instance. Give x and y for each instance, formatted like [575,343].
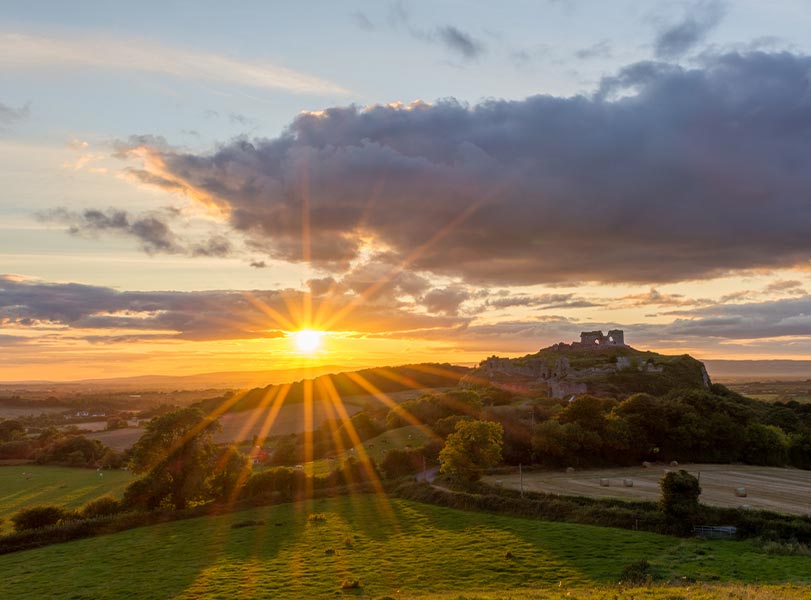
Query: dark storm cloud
[208,315]
[664,174]
[678,38]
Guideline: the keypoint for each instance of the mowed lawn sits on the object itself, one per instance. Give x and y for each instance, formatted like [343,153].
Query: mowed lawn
[28,485]
[394,547]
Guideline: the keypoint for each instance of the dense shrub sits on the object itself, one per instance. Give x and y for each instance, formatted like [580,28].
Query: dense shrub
[282,483]
[75,450]
[637,573]
[101,507]
[17,449]
[39,516]
[680,492]
[400,462]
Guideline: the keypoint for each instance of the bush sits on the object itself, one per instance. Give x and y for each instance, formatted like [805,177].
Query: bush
[637,573]
[248,523]
[101,507]
[350,584]
[39,516]
[285,483]
[680,492]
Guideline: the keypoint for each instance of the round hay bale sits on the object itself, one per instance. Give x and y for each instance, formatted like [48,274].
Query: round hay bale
[570,469]
[740,492]
[746,507]
[674,463]
[628,482]
[646,464]
[605,482]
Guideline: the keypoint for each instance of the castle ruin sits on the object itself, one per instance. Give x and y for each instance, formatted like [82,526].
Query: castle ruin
[596,339]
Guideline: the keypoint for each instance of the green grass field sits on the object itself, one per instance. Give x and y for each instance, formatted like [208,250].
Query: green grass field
[28,485]
[375,448]
[394,547]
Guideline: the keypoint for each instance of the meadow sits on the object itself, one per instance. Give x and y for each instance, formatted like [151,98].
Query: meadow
[28,485]
[375,448]
[393,548]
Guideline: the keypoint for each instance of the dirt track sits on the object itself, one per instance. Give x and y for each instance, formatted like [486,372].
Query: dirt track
[768,488]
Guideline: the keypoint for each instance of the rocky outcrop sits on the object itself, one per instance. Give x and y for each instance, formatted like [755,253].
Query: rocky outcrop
[611,367]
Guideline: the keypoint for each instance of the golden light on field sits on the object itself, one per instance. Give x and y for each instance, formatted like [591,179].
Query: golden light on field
[308,341]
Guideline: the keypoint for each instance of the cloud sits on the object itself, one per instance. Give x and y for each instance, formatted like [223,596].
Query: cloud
[655,298]
[699,19]
[542,301]
[362,21]
[791,286]
[664,174]
[446,300]
[778,318]
[601,49]
[89,50]
[10,115]
[87,311]
[152,230]
[460,42]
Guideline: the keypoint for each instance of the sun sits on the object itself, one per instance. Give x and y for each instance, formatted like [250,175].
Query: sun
[308,340]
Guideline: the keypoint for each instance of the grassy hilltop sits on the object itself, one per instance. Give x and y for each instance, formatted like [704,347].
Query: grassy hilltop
[617,371]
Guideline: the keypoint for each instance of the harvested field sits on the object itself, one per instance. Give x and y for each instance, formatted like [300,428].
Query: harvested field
[118,439]
[767,488]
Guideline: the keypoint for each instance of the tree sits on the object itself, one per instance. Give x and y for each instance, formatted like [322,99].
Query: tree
[680,492]
[474,447]
[11,430]
[178,457]
[399,462]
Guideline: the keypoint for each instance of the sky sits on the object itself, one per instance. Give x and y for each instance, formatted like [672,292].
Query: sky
[185,185]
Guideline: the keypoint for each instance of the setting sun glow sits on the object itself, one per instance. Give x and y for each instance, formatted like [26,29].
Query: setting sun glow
[308,340]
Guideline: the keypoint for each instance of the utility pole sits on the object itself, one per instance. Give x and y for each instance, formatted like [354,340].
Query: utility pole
[521,478]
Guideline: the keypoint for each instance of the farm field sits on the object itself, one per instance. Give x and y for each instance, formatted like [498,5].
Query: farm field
[768,488]
[393,547]
[14,412]
[28,485]
[242,426]
[375,448]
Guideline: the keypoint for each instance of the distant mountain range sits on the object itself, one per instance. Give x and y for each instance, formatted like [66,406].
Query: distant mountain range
[217,380]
